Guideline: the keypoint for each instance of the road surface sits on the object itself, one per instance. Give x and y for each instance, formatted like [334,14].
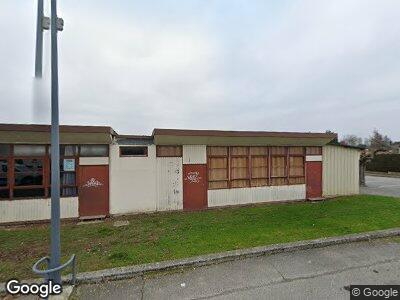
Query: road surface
[323,273]
[387,186]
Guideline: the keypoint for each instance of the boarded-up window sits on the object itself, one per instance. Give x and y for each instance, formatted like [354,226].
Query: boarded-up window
[314,150]
[218,175]
[218,167]
[296,150]
[278,166]
[259,166]
[296,164]
[278,150]
[239,166]
[169,151]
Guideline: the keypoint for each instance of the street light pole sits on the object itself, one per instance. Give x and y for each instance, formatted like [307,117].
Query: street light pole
[54,268]
[55,151]
[39,40]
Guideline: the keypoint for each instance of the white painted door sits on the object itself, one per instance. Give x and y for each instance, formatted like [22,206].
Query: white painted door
[169,183]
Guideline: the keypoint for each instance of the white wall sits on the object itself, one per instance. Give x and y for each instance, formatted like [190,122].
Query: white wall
[144,184]
[340,171]
[20,210]
[256,194]
[194,154]
[132,182]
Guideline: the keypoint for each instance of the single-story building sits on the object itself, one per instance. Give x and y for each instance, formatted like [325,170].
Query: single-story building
[104,173]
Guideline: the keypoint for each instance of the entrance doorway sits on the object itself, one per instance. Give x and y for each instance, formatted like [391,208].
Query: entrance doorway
[313,179]
[194,187]
[93,191]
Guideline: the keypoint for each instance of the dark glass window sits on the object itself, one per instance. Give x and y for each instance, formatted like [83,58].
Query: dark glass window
[4,150]
[28,172]
[132,151]
[94,150]
[3,172]
[4,194]
[22,193]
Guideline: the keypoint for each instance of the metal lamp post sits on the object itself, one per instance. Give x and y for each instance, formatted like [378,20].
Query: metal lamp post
[54,268]
[55,151]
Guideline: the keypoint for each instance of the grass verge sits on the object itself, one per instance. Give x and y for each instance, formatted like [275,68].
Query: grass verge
[165,236]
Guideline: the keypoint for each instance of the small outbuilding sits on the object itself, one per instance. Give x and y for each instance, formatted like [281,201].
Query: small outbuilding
[104,173]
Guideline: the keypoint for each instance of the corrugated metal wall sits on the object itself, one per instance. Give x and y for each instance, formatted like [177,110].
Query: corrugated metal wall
[340,171]
[256,194]
[169,183]
[35,209]
[194,154]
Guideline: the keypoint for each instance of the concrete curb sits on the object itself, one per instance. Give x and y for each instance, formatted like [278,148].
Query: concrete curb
[202,260]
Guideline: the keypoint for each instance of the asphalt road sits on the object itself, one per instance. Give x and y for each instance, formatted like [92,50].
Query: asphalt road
[387,186]
[310,274]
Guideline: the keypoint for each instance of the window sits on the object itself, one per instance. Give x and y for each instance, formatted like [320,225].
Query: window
[278,165]
[169,151]
[218,175]
[25,170]
[4,184]
[296,165]
[236,167]
[4,150]
[259,166]
[313,150]
[28,177]
[3,172]
[94,150]
[239,167]
[132,151]
[29,150]
[28,172]
[68,183]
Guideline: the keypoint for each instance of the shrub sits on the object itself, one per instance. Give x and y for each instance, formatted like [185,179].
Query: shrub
[385,163]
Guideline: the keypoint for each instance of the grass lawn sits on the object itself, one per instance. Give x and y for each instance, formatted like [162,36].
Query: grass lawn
[164,236]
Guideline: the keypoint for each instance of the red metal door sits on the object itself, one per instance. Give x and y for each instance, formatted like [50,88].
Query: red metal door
[313,179]
[194,187]
[93,191]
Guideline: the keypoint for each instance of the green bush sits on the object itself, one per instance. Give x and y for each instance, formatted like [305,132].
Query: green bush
[385,163]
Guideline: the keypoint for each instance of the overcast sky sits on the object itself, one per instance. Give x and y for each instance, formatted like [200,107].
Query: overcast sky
[210,64]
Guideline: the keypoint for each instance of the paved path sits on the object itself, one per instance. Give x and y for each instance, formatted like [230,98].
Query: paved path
[310,274]
[387,186]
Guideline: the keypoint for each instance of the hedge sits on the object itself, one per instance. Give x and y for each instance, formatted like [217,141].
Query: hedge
[385,163]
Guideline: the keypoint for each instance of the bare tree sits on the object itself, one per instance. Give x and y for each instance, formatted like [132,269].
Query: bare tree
[351,140]
[378,141]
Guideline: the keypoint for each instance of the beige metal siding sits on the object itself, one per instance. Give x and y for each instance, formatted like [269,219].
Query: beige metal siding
[35,209]
[194,154]
[169,183]
[132,182]
[340,171]
[256,194]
